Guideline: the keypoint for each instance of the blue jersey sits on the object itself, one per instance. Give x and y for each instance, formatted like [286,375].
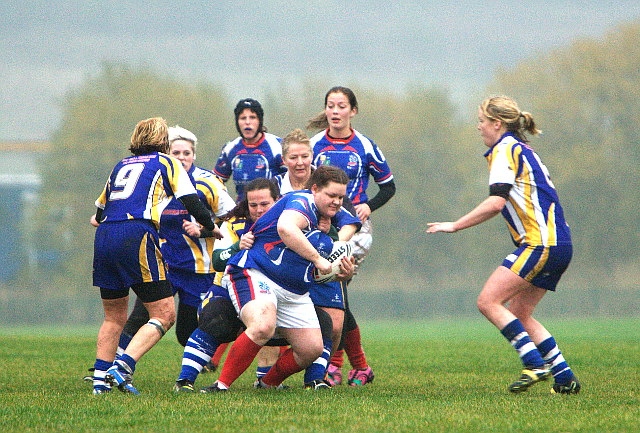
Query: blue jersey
[243,162]
[358,156]
[184,252]
[271,256]
[140,187]
[533,212]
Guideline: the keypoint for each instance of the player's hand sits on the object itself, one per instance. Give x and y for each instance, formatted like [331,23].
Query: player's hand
[347,269]
[246,241]
[192,228]
[216,232]
[363,211]
[93,221]
[446,227]
[322,265]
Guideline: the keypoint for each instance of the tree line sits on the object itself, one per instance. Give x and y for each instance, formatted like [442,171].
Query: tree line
[584,97]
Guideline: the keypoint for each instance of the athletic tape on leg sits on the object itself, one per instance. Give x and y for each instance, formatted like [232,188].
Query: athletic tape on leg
[158,326]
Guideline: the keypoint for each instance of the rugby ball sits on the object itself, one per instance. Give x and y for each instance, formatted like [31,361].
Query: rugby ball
[339,250]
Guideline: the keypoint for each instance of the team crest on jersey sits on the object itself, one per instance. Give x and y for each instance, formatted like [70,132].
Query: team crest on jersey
[264,287]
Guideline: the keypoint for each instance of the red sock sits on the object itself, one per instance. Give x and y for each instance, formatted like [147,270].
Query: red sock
[283,368]
[355,352]
[337,358]
[239,358]
[217,356]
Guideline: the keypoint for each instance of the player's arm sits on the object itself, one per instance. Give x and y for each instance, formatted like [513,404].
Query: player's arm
[195,207]
[290,225]
[386,191]
[486,210]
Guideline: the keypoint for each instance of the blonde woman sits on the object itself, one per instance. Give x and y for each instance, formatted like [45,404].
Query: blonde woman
[520,188]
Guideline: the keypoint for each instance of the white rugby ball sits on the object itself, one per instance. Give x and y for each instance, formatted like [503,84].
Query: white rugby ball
[339,250]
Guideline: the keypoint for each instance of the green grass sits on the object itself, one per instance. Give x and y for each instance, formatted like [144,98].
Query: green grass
[435,376]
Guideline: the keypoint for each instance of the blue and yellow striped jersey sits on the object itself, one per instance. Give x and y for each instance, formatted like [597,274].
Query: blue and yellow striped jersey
[180,250]
[141,186]
[533,212]
[232,230]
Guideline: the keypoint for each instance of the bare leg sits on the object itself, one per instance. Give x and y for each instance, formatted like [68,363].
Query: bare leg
[115,316]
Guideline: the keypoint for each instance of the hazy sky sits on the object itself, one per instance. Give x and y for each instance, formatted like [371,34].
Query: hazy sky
[50,48]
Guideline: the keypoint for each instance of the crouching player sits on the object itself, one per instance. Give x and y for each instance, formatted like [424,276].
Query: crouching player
[269,283]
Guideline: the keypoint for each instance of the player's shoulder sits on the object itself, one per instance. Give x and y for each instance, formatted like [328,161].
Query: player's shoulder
[317,137]
[203,174]
[233,145]
[365,141]
[274,142]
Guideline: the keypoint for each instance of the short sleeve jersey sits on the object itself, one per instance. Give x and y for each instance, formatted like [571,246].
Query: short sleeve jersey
[180,250]
[140,187]
[533,211]
[242,163]
[358,156]
[271,256]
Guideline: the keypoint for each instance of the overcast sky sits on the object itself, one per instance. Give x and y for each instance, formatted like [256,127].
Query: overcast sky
[50,48]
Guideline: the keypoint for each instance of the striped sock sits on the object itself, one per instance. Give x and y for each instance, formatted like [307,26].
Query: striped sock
[262,371]
[128,360]
[552,356]
[519,338]
[197,353]
[100,370]
[318,369]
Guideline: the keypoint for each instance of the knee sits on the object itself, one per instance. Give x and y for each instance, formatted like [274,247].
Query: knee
[261,332]
[484,304]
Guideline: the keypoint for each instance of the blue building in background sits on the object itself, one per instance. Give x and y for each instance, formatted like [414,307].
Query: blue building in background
[20,183]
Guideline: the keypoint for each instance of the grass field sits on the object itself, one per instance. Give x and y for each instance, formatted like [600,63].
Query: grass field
[435,376]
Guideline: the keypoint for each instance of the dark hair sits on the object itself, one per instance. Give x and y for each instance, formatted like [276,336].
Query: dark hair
[324,174]
[242,207]
[252,105]
[319,121]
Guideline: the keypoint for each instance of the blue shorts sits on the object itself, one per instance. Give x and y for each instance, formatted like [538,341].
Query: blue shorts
[541,266]
[126,253]
[190,287]
[329,295]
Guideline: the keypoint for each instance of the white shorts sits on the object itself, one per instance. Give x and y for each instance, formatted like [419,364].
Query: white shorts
[293,310]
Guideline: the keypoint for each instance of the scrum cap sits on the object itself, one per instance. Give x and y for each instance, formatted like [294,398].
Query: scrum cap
[252,105]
